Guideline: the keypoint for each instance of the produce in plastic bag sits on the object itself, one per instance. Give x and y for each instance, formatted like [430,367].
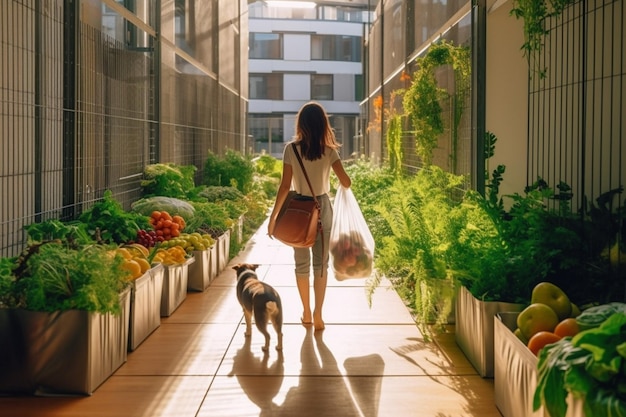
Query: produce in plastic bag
[351,242]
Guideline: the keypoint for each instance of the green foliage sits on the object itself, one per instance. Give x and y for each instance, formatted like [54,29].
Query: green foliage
[51,276]
[211,218]
[107,222]
[590,366]
[55,229]
[213,194]
[534,14]
[168,179]
[422,99]
[413,254]
[6,281]
[267,165]
[233,169]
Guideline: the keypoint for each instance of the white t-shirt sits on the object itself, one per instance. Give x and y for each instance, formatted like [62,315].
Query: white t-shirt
[318,170]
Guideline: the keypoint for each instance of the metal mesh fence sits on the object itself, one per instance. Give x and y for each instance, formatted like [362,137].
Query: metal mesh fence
[83,110]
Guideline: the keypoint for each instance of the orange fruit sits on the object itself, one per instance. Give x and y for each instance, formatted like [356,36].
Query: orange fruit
[143,263]
[133,268]
[567,327]
[541,339]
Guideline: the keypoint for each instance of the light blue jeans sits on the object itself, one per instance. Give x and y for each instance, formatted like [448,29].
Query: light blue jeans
[319,253]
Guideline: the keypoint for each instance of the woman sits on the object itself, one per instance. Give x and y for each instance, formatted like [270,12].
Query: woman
[316,144]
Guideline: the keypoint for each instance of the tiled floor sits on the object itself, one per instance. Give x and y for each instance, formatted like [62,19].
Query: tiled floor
[368,362]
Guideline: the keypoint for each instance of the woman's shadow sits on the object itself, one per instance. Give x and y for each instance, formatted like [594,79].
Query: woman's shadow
[322,389]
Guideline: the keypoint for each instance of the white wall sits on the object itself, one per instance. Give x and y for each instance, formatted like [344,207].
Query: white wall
[507,96]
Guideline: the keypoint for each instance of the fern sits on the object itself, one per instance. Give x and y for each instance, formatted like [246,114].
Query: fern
[414,253]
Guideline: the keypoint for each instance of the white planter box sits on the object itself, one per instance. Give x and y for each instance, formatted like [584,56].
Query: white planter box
[145,306]
[223,248]
[202,270]
[174,287]
[474,331]
[61,353]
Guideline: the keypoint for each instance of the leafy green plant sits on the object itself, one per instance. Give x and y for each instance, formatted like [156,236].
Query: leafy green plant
[422,99]
[215,193]
[394,133]
[591,366]
[107,222]
[534,13]
[51,276]
[168,180]
[233,169]
[413,255]
[211,218]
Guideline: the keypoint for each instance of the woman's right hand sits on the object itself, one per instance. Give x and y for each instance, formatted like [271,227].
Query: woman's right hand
[270,226]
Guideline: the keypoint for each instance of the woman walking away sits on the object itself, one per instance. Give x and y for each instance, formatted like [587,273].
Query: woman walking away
[317,146]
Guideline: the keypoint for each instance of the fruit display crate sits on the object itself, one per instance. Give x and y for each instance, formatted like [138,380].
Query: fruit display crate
[515,373]
[474,331]
[63,353]
[174,290]
[223,250]
[145,305]
[203,270]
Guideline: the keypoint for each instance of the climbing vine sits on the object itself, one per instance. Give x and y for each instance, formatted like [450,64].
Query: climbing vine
[534,13]
[422,99]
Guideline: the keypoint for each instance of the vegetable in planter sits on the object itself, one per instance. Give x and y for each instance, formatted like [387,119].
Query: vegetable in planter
[590,366]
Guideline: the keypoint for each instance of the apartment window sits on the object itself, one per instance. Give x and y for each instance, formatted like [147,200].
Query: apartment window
[321,87]
[266,46]
[359,87]
[266,86]
[336,48]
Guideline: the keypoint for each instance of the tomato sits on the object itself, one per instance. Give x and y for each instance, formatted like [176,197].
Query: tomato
[156,215]
[567,327]
[541,339]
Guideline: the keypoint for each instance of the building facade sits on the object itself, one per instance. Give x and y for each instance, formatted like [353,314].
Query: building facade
[303,51]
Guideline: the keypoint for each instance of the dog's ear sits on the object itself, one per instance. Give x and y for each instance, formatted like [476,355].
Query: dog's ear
[254,266]
[237,266]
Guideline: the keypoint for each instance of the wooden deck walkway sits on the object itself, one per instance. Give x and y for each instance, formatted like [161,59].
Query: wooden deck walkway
[367,362]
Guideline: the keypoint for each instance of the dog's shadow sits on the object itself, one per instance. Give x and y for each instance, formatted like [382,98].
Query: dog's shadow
[248,368]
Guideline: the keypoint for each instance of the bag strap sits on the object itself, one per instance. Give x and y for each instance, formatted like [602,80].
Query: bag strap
[295,149]
[319,220]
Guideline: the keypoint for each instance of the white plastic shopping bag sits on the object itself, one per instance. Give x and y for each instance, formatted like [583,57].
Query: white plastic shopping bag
[351,242]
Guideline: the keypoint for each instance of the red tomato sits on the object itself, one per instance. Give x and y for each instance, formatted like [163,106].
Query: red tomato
[541,339]
[567,327]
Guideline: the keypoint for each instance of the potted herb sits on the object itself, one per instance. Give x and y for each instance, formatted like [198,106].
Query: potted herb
[65,313]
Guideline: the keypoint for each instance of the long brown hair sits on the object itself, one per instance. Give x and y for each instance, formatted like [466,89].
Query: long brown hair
[313,131]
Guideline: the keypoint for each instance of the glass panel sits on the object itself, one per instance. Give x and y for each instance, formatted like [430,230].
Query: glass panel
[321,87]
[336,48]
[266,86]
[266,46]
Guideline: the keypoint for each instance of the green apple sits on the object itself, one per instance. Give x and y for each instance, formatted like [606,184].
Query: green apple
[520,336]
[535,318]
[575,311]
[554,297]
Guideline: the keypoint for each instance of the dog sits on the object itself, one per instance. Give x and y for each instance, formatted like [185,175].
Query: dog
[260,300]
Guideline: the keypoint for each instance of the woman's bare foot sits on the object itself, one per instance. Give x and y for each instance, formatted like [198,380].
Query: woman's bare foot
[306,319]
[318,323]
